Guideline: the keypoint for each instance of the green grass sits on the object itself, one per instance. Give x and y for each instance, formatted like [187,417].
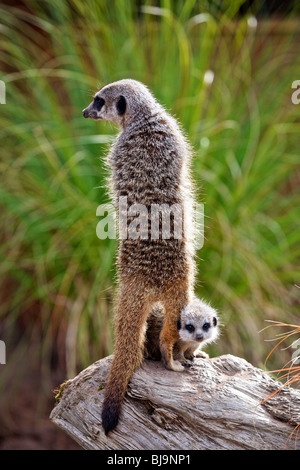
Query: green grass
[57,277]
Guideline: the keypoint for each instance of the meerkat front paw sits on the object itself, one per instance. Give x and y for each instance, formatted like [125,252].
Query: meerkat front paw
[202,354]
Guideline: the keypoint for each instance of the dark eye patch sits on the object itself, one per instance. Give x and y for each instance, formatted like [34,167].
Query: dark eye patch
[121,105]
[98,103]
[206,326]
[190,328]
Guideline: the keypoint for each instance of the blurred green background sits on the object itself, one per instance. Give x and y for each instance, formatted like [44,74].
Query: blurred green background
[225,70]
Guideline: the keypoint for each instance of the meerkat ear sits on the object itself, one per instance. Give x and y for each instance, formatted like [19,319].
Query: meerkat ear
[121,105]
[179,325]
[215,321]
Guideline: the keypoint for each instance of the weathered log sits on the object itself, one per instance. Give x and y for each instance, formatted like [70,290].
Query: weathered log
[215,404]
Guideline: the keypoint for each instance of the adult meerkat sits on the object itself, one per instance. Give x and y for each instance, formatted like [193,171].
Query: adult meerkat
[150,168]
[197,326]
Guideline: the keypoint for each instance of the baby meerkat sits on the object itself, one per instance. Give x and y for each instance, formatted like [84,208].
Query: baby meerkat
[197,326]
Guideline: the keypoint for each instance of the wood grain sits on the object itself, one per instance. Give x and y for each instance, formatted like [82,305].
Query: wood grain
[215,404]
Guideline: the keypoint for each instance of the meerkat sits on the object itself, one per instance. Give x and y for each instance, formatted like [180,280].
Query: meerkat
[149,164]
[197,326]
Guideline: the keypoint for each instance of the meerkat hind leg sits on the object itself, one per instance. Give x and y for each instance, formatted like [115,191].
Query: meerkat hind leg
[179,354]
[170,363]
[131,316]
[167,341]
[173,306]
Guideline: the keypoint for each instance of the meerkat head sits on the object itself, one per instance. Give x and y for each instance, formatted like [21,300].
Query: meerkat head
[198,323]
[121,102]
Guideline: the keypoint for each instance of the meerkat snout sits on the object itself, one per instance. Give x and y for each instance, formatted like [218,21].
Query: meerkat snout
[93,110]
[199,336]
[112,108]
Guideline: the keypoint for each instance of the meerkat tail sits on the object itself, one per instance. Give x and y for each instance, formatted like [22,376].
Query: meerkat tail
[131,317]
[114,394]
[111,409]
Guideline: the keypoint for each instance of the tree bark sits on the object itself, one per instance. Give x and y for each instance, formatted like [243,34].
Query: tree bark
[215,404]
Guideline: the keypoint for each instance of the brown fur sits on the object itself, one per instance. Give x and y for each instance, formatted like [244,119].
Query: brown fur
[149,163]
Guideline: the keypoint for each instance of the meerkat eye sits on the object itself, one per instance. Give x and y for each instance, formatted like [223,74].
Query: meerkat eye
[98,103]
[190,328]
[206,326]
[121,105]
